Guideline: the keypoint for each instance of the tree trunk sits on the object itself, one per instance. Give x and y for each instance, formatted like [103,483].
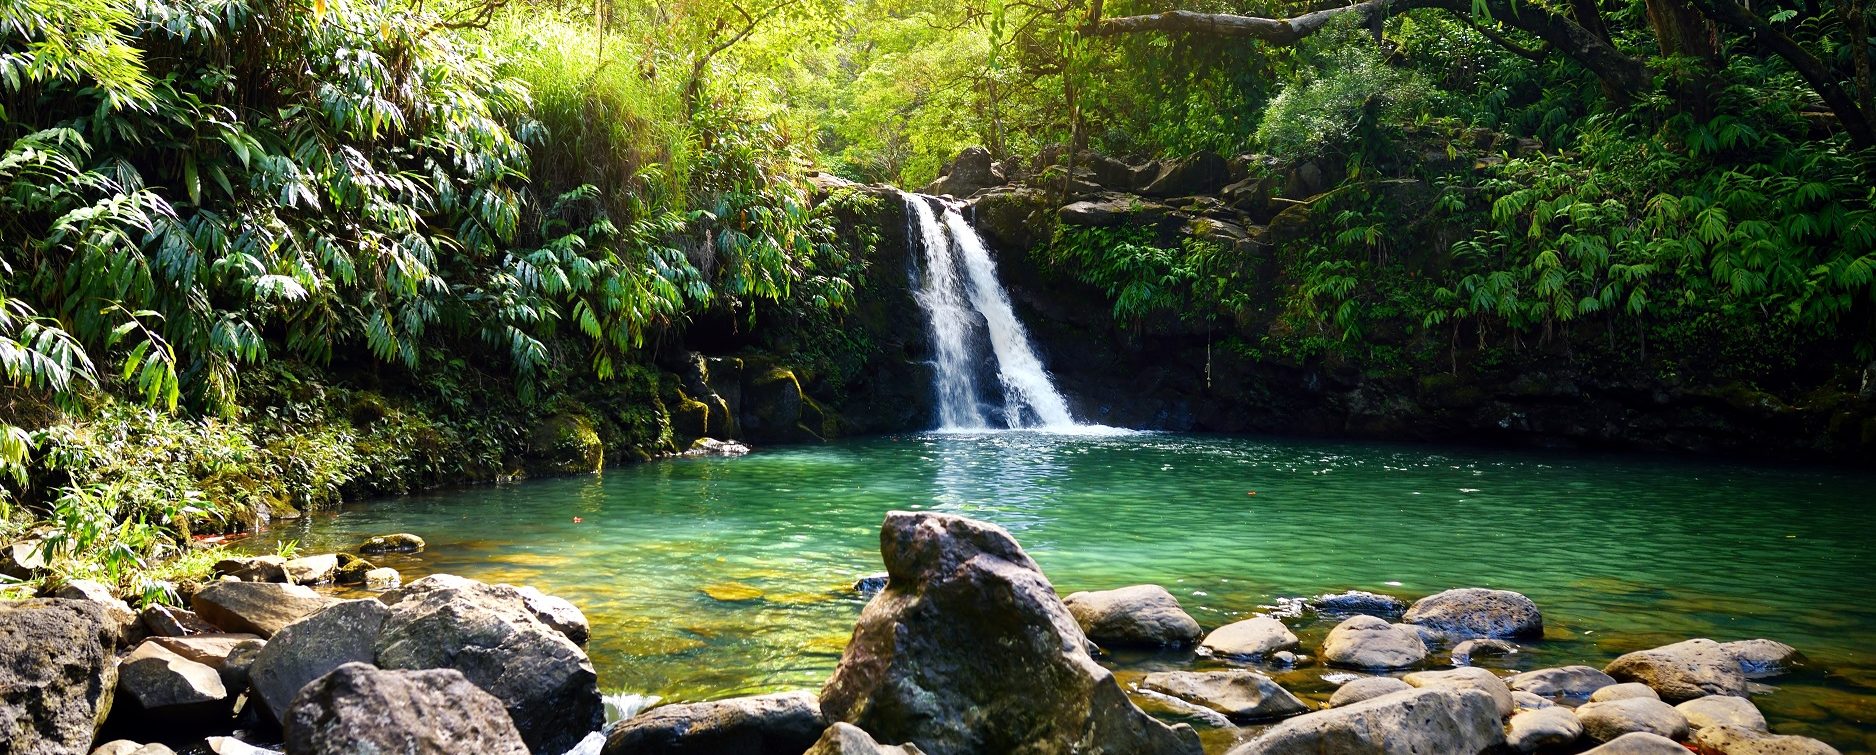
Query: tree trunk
[1681,31]
[1855,116]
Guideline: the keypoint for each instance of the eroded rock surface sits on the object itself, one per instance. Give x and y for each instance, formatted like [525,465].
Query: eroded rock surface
[1242,696]
[1683,671]
[259,608]
[1478,612]
[57,683]
[1372,643]
[1445,721]
[1254,637]
[780,724]
[358,709]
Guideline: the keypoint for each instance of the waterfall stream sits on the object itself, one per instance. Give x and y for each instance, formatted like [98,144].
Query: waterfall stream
[967,309]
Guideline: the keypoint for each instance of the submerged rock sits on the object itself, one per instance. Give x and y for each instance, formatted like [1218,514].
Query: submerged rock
[1735,740]
[779,724]
[1358,601]
[1251,638]
[1466,678]
[1366,688]
[1683,671]
[1567,681]
[1722,710]
[1762,658]
[59,676]
[1137,616]
[1478,612]
[260,608]
[1445,721]
[1639,743]
[1372,643]
[968,650]
[312,647]
[1242,696]
[847,739]
[360,709]
[382,579]
[870,583]
[1464,652]
[1609,719]
[1534,730]
[402,542]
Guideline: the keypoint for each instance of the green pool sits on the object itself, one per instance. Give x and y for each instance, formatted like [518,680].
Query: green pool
[708,578]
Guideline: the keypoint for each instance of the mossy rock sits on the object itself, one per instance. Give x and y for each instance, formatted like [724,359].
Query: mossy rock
[690,420]
[772,403]
[352,570]
[402,542]
[565,444]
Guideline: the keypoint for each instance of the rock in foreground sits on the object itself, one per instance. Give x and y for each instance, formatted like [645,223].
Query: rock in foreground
[57,682]
[968,650]
[360,709]
[308,649]
[1242,696]
[1445,721]
[1639,743]
[847,739]
[1137,616]
[781,724]
[260,608]
[1251,638]
[1567,681]
[1604,721]
[1735,740]
[1368,642]
[1683,671]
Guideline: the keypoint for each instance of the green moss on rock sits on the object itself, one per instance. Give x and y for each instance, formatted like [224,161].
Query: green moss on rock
[565,444]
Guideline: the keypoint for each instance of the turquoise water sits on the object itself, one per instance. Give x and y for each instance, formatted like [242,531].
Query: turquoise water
[707,578]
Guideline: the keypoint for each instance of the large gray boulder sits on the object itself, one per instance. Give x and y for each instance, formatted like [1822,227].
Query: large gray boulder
[1255,637]
[312,647]
[1533,730]
[545,680]
[1722,710]
[360,709]
[1762,658]
[968,650]
[1466,678]
[1736,740]
[1639,743]
[158,687]
[972,171]
[1567,681]
[847,739]
[558,613]
[1242,696]
[57,674]
[259,608]
[1683,671]
[1192,175]
[1137,616]
[312,570]
[1477,612]
[218,651]
[1445,721]
[1366,688]
[779,724]
[1607,720]
[1371,643]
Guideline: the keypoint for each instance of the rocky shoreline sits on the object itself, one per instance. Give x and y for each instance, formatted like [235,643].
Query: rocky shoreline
[964,648]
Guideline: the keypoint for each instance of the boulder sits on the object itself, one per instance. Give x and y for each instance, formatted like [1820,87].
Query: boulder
[128,625]
[1356,601]
[542,677]
[1119,176]
[1762,658]
[1464,652]
[779,724]
[1526,701]
[1534,730]
[232,746]
[345,632]
[1363,641]
[968,650]
[1118,209]
[351,570]
[23,559]
[253,568]
[1192,175]
[168,621]
[1254,637]
[1466,678]
[1242,696]
[1366,688]
[1623,691]
[973,170]
[714,447]
[1639,743]
[259,608]
[1683,671]
[1477,612]
[312,570]
[1568,681]
[1609,719]
[402,542]
[383,578]
[360,709]
[562,444]
[870,583]
[1445,721]
[847,739]
[240,660]
[1735,740]
[1722,710]
[228,654]
[157,687]
[127,747]
[559,613]
[59,675]
[1137,616]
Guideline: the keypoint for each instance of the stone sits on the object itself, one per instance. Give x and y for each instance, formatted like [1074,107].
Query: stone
[1445,721]
[1762,658]
[168,621]
[253,568]
[1623,691]
[542,677]
[240,661]
[1533,730]
[1119,209]
[383,578]
[1197,174]
[1735,740]
[1356,601]
[562,444]
[1363,641]
[156,687]
[1603,721]
[360,709]
[59,676]
[312,570]
[22,560]
[1639,743]
[402,542]
[1286,658]
[127,747]
[351,570]
[785,723]
[1137,616]
[344,632]
[559,613]
[259,608]
[870,583]
[1478,612]
[1254,637]
[1464,652]
[1526,701]
[1466,678]
[1722,710]
[1682,671]
[228,654]
[847,739]
[1242,696]
[714,447]
[232,746]
[1567,681]
[119,611]
[1366,688]
[917,670]
[972,171]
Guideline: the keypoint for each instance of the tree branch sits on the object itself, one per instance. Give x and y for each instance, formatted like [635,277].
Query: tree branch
[1856,121]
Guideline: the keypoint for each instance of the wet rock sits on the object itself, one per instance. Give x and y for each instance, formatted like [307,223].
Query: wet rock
[1722,710]
[847,739]
[542,677]
[1242,696]
[1357,601]
[1567,681]
[253,568]
[352,570]
[1734,740]
[1366,688]
[127,747]
[312,570]
[260,608]
[1201,173]
[563,444]
[780,724]
[1466,678]
[383,578]
[714,447]
[157,687]
[1623,691]
[1534,730]
[1137,616]
[1255,637]
[1464,652]
[1762,658]
[870,584]
[559,613]
[1446,721]
[1526,701]
[1286,658]
[345,632]
[360,709]
[920,666]
[169,621]
[1683,671]
[1478,612]
[1372,643]
[1606,720]
[402,542]
[59,676]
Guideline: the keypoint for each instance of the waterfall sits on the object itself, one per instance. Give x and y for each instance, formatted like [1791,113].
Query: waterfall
[965,307]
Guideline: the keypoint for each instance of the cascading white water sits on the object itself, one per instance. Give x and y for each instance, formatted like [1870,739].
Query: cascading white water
[965,304]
